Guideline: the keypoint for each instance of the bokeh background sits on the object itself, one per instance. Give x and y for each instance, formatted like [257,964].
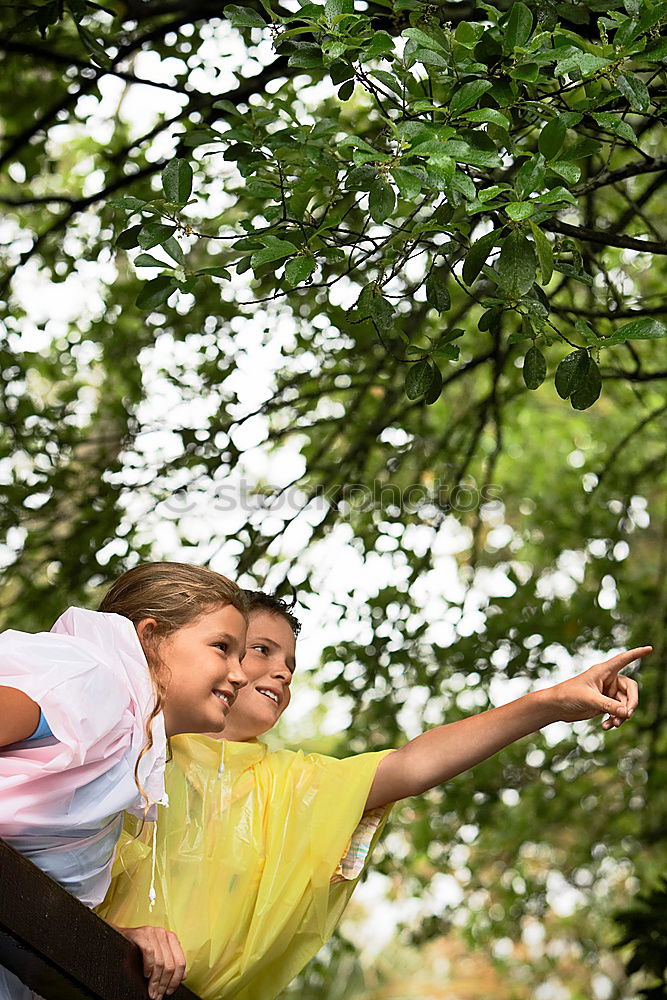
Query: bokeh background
[445,559]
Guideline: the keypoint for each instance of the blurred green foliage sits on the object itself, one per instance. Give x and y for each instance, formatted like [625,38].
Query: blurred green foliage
[422,389]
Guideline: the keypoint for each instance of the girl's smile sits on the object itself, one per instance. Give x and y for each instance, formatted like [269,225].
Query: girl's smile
[202,670]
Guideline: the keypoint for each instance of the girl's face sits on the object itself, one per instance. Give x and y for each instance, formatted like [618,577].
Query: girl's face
[204,670]
[269,665]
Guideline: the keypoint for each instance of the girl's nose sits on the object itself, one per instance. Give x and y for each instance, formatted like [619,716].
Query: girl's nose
[236,675]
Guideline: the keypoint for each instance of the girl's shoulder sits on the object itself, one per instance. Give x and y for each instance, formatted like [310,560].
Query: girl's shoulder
[88,675]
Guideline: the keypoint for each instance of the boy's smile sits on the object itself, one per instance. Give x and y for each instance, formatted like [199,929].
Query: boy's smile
[269,665]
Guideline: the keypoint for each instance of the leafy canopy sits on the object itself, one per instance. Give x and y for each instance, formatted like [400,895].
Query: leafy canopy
[479,144]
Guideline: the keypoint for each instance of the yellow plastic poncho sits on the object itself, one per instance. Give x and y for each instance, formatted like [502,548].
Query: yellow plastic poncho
[243,860]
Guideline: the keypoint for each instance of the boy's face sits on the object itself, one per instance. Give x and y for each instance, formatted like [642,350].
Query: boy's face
[269,665]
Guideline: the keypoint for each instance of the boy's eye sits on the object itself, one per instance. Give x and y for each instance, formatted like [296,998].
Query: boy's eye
[262,649]
[222,646]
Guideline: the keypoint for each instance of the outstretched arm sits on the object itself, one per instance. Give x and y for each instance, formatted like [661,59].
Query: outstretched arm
[442,753]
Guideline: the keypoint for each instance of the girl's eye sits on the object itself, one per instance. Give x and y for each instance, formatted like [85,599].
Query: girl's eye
[222,646]
[262,649]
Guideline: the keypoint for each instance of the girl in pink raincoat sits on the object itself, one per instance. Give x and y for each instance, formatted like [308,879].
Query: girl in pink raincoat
[85,710]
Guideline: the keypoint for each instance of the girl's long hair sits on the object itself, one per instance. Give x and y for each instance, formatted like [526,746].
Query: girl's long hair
[175,595]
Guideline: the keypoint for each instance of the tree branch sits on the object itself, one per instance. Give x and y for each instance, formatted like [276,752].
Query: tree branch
[45,54]
[617,373]
[605,239]
[77,205]
[621,174]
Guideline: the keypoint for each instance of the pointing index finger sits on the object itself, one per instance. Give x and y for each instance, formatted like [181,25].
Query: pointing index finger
[616,663]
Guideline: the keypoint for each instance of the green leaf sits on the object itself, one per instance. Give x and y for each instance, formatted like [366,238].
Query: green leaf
[307,56]
[557,194]
[528,71]
[215,272]
[465,153]
[589,389]
[478,255]
[243,17]
[461,182]
[574,272]
[614,123]
[340,71]
[446,338]
[571,372]
[468,34]
[586,333]
[337,8]
[128,203]
[408,184]
[299,268]
[657,51]
[635,91]
[489,193]
[448,352]
[228,106]
[490,320]
[570,172]
[530,176]
[419,379]
[430,58]
[581,149]
[177,181]
[534,368]
[544,253]
[489,116]
[146,260]
[154,233]
[551,138]
[382,312]
[519,26]
[95,49]
[585,63]
[422,39]
[129,238]
[276,250]
[155,292]
[518,210]
[517,265]
[437,293]
[464,97]
[434,390]
[382,200]
[381,44]
[173,248]
[638,329]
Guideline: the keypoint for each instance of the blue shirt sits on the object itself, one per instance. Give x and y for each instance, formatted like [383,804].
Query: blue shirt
[43,728]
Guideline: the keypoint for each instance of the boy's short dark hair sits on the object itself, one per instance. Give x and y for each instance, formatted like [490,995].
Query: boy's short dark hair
[259,600]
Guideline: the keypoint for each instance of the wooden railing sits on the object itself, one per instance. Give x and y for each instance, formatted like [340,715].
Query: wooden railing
[57,946]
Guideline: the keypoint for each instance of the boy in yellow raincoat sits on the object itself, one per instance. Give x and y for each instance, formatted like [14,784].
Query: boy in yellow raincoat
[258,852]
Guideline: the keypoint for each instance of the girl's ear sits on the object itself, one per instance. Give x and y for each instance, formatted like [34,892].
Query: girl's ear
[145,629]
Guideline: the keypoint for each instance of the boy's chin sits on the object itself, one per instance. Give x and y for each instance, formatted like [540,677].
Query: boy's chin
[255,726]
[258,726]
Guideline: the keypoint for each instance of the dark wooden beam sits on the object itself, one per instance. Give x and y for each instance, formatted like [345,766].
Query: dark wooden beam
[57,946]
